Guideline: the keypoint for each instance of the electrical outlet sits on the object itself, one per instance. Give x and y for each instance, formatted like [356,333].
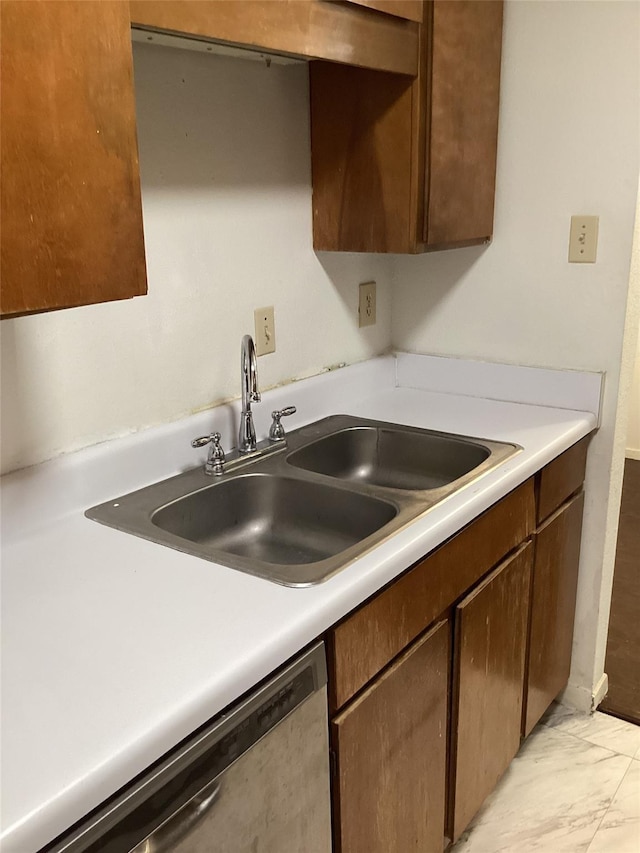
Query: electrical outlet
[367,304]
[265,330]
[583,240]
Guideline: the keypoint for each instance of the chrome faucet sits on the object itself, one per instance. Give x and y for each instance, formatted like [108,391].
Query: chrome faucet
[250,394]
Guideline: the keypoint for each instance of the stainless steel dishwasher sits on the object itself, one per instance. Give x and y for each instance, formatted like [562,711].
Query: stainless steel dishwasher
[255,780]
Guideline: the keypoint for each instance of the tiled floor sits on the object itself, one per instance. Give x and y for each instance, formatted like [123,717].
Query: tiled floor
[574,787]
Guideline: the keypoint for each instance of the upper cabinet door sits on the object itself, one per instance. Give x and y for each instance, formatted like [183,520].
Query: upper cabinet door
[71,207]
[465,57]
[406,168]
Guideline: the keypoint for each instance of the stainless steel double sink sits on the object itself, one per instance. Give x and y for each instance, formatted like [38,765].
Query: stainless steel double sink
[340,487]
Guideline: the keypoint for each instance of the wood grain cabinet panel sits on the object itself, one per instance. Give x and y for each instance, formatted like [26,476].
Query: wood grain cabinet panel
[561,478]
[368,639]
[390,742]
[415,169]
[315,29]
[489,664]
[465,92]
[412,10]
[71,207]
[553,603]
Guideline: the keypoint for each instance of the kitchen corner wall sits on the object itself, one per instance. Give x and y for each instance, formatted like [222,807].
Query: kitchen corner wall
[226,185]
[633,427]
[568,144]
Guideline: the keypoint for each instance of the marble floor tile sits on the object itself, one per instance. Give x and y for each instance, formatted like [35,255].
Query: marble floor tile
[552,798]
[619,831]
[600,729]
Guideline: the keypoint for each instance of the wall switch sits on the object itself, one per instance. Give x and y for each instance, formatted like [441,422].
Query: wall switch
[583,240]
[265,330]
[367,304]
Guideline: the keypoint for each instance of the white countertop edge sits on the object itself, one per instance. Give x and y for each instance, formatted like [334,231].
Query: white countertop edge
[83,784]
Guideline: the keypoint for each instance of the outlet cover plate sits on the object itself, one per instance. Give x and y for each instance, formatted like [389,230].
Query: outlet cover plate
[583,240]
[265,326]
[367,304]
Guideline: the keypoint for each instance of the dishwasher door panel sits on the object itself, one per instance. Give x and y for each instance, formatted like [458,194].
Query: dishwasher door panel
[273,799]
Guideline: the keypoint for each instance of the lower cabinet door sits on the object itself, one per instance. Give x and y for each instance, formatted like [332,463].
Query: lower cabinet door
[391,752]
[553,604]
[489,662]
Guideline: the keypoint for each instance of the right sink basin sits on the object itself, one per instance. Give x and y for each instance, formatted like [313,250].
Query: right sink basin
[412,460]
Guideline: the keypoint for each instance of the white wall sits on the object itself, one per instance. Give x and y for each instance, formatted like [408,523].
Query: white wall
[224,152]
[633,429]
[568,144]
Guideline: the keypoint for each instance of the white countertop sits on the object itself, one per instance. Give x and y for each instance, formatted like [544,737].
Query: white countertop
[115,648]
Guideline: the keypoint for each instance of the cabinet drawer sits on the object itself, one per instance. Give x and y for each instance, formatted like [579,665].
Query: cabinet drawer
[561,478]
[366,641]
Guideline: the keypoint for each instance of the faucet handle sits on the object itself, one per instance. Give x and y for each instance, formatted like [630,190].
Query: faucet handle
[276,433]
[215,460]
[205,439]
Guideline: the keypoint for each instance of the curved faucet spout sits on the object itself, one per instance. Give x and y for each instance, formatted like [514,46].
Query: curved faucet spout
[250,394]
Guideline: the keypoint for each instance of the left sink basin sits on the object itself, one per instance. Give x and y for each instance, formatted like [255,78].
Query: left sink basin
[290,530]
[274,519]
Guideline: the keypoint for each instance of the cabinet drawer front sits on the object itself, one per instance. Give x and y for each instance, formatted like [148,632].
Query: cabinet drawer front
[553,604]
[489,663]
[391,751]
[561,478]
[370,638]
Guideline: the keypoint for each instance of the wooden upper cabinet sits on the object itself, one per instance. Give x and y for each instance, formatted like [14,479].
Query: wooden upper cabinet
[466,49]
[399,167]
[71,208]
[412,10]
[313,29]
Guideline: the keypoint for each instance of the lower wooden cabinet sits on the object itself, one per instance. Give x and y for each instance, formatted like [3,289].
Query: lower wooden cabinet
[391,746]
[425,720]
[555,581]
[489,665]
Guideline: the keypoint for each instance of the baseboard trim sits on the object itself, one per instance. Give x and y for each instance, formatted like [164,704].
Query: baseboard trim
[602,688]
[584,700]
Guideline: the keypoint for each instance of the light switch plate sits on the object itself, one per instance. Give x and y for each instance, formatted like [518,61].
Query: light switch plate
[367,304]
[583,240]
[265,330]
